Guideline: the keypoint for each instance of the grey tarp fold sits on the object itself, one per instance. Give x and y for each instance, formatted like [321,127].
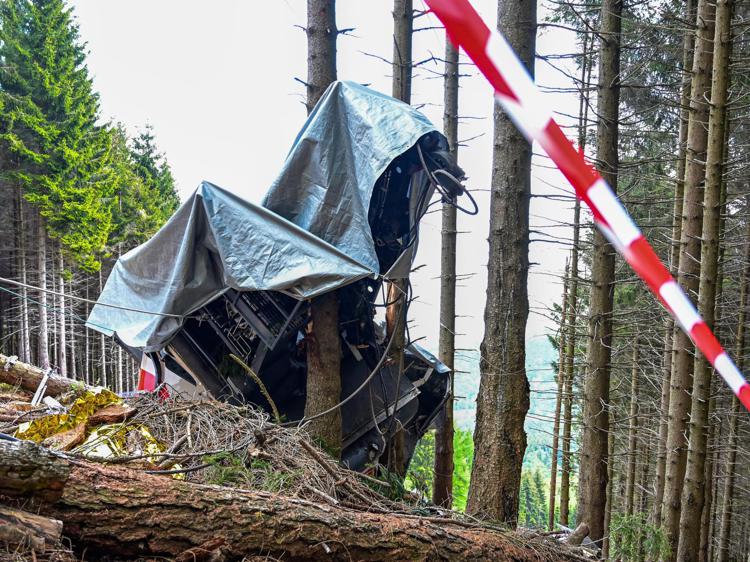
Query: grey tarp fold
[311,236]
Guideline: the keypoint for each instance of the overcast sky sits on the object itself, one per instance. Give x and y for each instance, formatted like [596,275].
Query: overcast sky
[216,81]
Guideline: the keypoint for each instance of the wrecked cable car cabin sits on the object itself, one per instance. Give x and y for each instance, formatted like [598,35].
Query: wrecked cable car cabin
[225,277]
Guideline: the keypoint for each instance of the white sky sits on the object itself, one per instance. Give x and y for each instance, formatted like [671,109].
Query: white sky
[216,80]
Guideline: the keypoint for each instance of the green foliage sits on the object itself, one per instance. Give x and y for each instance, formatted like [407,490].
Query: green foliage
[92,188]
[226,469]
[533,505]
[632,538]
[49,135]
[420,476]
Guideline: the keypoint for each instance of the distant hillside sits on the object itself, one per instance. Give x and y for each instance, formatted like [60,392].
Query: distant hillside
[539,357]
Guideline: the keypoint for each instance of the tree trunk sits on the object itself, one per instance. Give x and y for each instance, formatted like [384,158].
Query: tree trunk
[610,493]
[398,290]
[324,372]
[503,400]
[103,380]
[62,359]
[632,434]
[688,44]
[442,491]
[693,495]
[570,353]
[132,514]
[24,351]
[725,529]
[558,404]
[403,20]
[73,341]
[43,341]
[594,446]
[688,273]
[321,34]
[323,340]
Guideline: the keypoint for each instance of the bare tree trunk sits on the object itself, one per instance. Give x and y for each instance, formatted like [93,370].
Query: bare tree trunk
[503,400]
[323,340]
[403,21]
[87,342]
[610,493]
[24,338]
[62,359]
[102,341]
[403,17]
[693,496]
[321,48]
[632,433]
[688,273]
[569,377]
[42,273]
[674,256]
[558,404]
[73,339]
[594,446]
[442,490]
[725,529]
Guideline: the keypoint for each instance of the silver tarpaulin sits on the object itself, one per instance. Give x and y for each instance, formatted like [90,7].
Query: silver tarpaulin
[310,236]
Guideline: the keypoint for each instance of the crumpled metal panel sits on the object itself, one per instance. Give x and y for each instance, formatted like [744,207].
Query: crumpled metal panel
[312,236]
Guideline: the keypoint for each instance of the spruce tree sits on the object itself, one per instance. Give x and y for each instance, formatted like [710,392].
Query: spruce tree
[49,134]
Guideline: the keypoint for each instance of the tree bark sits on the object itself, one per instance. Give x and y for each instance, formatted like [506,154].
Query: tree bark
[606,543]
[123,511]
[19,528]
[594,445]
[442,490]
[503,400]
[41,265]
[688,272]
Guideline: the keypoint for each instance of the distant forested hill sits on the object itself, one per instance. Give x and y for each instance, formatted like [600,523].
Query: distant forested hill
[539,358]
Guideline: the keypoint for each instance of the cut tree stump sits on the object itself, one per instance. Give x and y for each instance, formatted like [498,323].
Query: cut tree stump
[124,511]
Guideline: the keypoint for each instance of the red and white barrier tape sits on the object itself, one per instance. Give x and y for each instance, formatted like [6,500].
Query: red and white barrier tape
[521,100]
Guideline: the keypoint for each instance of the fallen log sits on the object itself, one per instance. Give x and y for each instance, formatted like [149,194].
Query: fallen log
[28,377]
[124,511]
[37,533]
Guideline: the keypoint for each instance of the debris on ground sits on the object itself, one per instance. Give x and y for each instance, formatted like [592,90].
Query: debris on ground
[124,478]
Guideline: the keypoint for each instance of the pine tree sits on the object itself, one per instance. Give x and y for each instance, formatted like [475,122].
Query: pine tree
[49,125]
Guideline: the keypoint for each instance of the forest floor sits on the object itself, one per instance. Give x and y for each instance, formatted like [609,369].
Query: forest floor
[86,474]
